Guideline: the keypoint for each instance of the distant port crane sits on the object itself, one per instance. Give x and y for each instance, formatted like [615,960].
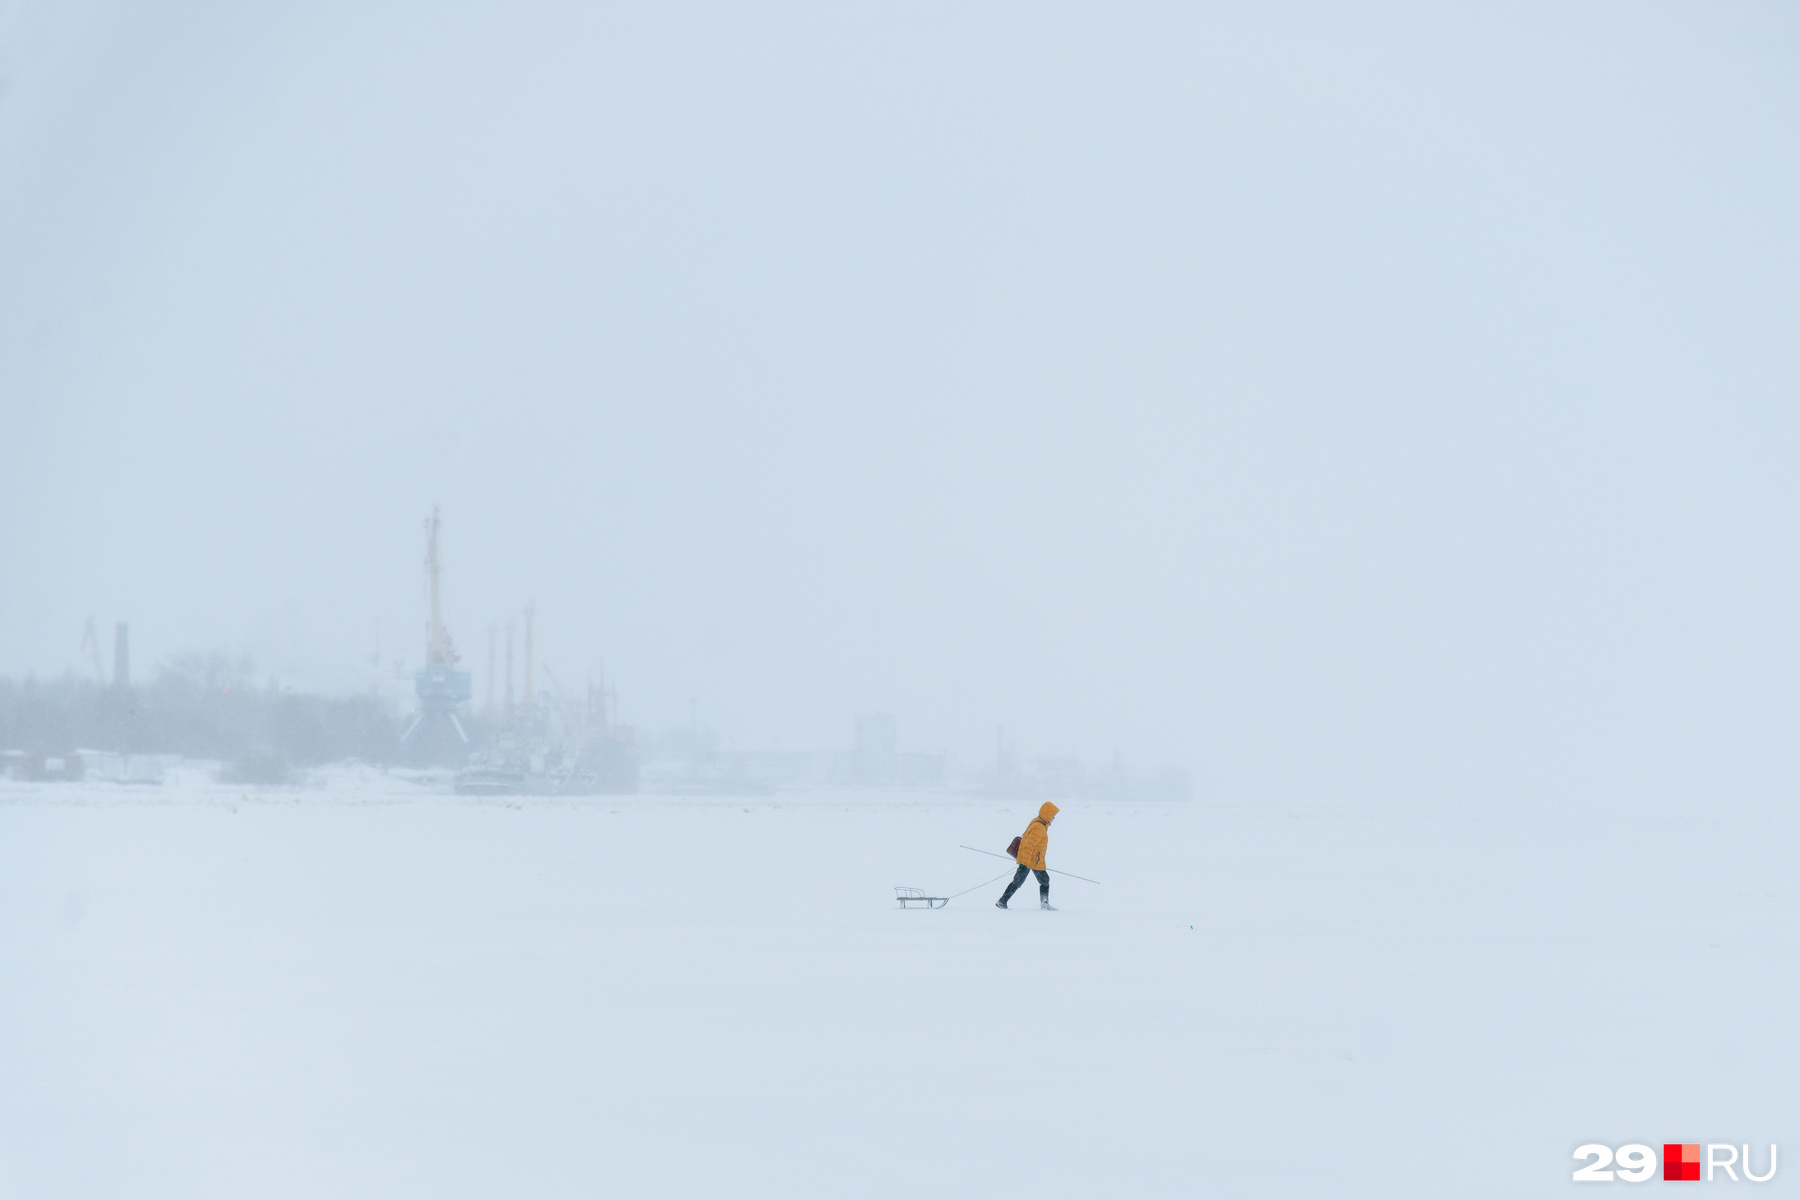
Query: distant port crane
[441,687]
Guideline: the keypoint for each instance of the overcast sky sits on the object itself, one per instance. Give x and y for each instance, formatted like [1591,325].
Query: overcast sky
[1376,400]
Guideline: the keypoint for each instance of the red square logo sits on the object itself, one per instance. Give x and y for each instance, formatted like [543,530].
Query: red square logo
[1681,1162]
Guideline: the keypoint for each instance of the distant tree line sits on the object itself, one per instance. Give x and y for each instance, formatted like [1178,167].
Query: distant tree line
[199,706]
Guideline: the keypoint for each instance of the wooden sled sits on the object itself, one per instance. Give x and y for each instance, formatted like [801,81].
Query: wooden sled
[910,896]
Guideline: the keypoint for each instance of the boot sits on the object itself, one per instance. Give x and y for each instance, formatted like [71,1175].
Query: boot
[999,904]
[1044,903]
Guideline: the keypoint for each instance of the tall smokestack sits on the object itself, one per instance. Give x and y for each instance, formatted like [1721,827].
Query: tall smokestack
[122,656]
[487,703]
[530,704]
[509,677]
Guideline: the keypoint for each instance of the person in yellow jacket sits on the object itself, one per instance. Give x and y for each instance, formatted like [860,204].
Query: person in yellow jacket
[1032,844]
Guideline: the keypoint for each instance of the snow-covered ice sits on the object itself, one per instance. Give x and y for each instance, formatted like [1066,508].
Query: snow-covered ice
[363,989]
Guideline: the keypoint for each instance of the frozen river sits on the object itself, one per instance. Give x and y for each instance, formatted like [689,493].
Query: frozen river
[367,992]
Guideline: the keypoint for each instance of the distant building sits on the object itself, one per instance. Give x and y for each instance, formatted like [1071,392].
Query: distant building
[873,758]
[876,759]
[1064,777]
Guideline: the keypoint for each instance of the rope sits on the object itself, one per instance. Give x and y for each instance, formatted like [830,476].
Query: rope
[982,884]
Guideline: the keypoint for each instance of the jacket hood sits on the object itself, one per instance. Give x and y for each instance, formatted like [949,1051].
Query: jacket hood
[1048,811]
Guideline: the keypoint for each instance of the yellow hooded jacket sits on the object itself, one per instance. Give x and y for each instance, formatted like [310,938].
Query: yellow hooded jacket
[1036,838]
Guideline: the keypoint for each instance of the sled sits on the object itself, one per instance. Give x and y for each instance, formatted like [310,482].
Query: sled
[910,896]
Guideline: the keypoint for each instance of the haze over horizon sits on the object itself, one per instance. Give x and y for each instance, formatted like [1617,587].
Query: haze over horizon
[1395,403]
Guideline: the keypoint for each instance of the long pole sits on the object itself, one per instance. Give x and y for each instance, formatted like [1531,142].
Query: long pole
[1052,870]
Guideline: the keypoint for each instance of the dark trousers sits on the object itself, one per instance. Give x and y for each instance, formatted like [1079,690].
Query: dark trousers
[1019,877]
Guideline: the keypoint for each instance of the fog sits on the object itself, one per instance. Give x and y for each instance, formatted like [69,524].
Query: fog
[1388,403]
[1334,462]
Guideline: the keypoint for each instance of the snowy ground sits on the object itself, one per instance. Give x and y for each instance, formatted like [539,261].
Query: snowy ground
[362,990]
